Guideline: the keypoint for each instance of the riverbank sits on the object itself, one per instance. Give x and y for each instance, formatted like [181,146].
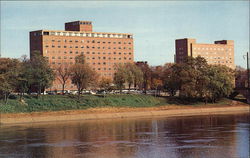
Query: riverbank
[71,102]
[123,112]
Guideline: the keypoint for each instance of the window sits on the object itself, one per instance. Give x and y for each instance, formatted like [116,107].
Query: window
[45,33]
[65,46]
[76,46]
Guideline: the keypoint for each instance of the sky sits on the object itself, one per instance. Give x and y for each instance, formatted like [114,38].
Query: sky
[154,24]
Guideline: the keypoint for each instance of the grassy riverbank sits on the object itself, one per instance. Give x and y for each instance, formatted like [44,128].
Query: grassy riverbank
[70,102]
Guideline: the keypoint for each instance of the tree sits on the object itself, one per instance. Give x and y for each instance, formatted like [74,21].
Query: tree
[220,82]
[157,79]
[133,75]
[146,74]
[23,79]
[82,75]
[105,84]
[197,80]
[120,76]
[9,70]
[63,75]
[171,79]
[40,73]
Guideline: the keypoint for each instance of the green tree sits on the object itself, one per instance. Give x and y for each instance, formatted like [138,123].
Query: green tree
[171,79]
[9,71]
[146,71]
[133,75]
[41,76]
[120,76]
[221,82]
[23,79]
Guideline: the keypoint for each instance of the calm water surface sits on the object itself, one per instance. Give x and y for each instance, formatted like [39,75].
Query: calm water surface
[224,136]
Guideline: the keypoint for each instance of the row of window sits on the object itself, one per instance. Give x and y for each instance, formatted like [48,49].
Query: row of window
[218,58]
[220,49]
[88,41]
[82,53]
[210,53]
[59,63]
[93,47]
[219,62]
[93,58]
[83,34]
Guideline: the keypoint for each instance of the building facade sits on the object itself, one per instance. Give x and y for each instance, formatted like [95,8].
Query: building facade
[101,50]
[221,52]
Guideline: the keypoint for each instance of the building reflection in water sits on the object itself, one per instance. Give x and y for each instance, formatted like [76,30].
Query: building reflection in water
[182,137]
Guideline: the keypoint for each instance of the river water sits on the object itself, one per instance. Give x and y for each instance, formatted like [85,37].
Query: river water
[224,136]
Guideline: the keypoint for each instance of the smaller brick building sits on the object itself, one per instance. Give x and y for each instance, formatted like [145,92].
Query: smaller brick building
[221,52]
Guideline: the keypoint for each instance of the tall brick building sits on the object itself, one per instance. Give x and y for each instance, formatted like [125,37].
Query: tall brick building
[221,52]
[102,50]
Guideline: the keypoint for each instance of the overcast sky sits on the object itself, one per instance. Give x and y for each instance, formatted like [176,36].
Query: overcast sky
[155,25]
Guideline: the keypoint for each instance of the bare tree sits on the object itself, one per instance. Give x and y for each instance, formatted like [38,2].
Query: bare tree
[63,75]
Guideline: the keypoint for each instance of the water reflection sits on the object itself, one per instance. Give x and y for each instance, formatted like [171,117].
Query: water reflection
[181,137]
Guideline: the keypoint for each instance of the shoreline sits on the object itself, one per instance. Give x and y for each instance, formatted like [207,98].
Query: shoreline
[120,113]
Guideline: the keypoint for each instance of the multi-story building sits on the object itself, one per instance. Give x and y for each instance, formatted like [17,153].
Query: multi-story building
[101,50]
[221,52]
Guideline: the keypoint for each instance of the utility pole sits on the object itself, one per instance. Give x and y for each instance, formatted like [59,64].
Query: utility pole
[248,80]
